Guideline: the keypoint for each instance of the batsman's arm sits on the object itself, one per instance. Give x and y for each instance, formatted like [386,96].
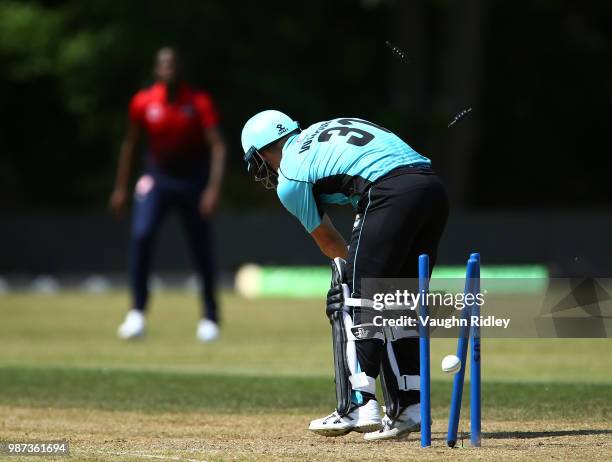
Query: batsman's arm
[127,156]
[329,240]
[299,200]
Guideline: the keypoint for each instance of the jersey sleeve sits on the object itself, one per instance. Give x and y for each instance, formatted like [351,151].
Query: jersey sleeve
[136,108]
[207,111]
[298,199]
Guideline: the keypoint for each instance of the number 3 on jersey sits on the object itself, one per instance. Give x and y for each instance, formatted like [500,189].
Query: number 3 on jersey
[358,136]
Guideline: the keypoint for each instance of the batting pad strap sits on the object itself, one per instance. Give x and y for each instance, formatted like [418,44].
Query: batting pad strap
[395,333]
[367,331]
[362,382]
[409,382]
[360,302]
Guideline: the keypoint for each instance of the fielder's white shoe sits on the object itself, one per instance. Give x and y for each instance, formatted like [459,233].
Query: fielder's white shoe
[361,419]
[133,326]
[207,331]
[408,421]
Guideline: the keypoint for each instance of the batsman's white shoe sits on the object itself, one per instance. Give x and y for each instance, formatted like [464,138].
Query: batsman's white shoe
[133,326]
[408,421]
[360,419]
[208,331]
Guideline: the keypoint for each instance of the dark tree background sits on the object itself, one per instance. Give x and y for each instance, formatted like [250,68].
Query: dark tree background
[537,74]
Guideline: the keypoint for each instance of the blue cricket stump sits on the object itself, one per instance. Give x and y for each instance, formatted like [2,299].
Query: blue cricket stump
[468,336]
[424,356]
[475,396]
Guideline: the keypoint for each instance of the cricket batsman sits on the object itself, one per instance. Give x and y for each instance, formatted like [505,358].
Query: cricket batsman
[401,207]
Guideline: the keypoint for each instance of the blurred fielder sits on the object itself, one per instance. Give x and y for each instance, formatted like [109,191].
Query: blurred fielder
[402,207]
[180,174]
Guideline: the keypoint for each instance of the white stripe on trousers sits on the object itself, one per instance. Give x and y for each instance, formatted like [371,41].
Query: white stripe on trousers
[359,240]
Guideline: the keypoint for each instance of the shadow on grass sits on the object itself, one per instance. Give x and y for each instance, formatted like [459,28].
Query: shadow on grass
[463,440]
[544,434]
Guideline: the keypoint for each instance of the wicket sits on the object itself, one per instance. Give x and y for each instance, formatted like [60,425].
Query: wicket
[467,336]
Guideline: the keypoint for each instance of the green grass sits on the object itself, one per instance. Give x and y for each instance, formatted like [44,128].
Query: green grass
[150,391]
[61,351]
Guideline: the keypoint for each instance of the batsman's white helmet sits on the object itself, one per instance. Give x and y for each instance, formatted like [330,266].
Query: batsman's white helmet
[261,131]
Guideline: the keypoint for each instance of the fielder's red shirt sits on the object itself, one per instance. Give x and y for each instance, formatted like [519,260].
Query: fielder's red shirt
[175,128]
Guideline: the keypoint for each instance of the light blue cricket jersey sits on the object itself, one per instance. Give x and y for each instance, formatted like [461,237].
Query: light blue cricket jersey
[335,162]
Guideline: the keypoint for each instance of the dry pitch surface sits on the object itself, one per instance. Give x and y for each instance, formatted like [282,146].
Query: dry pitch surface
[108,435]
[63,375]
